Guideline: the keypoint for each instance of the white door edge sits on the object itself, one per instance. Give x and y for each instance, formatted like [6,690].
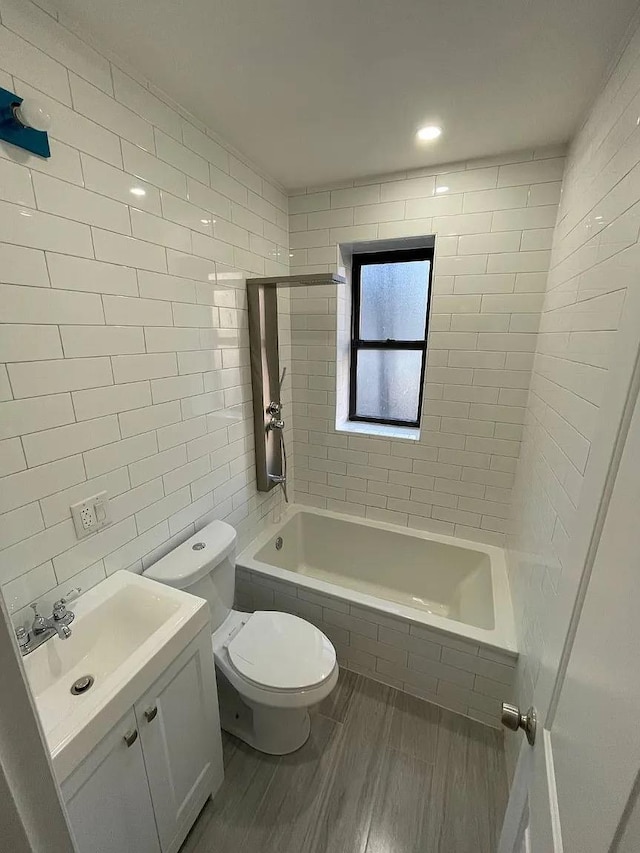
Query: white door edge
[552,792]
[516,816]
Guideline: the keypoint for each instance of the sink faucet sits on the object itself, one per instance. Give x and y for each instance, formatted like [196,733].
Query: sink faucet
[42,624]
[45,627]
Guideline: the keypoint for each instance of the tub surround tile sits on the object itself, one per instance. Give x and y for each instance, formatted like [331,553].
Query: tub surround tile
[311,612]
[492,226]
[379,650]
[325,601]
[379,618]
[409,643]
[351,623]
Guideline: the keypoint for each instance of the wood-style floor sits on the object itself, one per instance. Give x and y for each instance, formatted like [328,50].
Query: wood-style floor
[382,772]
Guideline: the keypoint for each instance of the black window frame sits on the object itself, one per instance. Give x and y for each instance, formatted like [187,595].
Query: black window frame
[357,344]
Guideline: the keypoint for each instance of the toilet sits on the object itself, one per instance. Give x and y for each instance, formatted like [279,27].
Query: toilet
[271,667]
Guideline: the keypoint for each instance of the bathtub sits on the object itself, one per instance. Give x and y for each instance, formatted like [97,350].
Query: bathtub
[428,613]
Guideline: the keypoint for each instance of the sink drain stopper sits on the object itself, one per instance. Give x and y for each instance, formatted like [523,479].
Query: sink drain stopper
[81,685]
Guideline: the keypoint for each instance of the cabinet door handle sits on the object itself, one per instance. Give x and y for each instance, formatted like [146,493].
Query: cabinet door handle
[151,713]
[131,737]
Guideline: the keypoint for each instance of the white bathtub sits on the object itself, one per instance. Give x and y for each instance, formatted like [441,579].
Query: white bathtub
[430,615]
[440,582]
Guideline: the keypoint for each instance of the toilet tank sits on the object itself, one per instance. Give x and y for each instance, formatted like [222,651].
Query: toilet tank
[204,565]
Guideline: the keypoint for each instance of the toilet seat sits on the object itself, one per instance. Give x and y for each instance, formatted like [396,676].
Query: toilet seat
[252,691]
[281,652]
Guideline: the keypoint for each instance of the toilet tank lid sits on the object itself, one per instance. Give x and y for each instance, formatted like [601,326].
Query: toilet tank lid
[195,557]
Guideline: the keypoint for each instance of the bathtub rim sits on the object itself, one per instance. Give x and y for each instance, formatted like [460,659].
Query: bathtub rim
[501,638]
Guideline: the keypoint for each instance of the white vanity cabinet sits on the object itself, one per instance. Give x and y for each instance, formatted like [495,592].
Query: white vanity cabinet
[179,728]
[144,784]
[108,799]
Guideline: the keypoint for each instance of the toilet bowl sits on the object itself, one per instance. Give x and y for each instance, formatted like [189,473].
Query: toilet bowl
[271,667]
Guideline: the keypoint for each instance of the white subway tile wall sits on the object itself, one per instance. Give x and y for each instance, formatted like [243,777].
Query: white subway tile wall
[493,225]
[124,344]
[124,359]
[458,674]
[594,261]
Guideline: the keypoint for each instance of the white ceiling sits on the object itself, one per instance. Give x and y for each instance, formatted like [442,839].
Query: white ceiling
[315,91]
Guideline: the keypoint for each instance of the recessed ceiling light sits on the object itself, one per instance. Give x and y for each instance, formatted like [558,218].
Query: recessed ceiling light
[137,191]
[429,133]
[442,189]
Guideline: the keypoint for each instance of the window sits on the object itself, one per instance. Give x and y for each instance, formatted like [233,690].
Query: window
[390,316]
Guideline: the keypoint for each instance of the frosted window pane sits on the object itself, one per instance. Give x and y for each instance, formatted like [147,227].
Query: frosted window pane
[393,301]
[388,384]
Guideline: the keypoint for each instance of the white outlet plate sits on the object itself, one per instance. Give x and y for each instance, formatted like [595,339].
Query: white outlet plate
[91,515]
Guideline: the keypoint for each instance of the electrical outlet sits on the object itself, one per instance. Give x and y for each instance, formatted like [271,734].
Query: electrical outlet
[91,514]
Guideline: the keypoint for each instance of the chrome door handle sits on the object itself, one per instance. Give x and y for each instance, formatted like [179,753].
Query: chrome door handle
[131,737]
[514,720]
[151,713]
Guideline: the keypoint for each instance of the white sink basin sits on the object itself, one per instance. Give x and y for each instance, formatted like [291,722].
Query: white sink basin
[126,632]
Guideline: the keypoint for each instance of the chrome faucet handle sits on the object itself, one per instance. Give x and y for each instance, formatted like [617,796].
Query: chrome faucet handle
[70,596]
[60,611]
[39,625]
[22,638]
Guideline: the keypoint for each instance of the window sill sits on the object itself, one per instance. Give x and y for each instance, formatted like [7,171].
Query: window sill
[379,430]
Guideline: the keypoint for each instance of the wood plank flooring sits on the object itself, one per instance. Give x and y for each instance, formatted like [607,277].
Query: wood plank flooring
[382,772]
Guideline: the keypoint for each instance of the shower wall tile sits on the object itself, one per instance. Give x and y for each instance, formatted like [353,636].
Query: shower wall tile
[82,341]
[118,305]
[69,273]
[33,378]
[492,222]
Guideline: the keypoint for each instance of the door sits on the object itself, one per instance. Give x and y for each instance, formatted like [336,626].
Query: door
[107,798]
[180,733]
[583,773]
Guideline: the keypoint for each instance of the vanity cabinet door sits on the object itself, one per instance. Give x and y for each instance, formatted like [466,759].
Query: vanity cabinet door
[108,799]
[179,728]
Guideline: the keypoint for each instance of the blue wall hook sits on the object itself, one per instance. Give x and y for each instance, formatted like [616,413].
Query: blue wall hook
[11,130]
